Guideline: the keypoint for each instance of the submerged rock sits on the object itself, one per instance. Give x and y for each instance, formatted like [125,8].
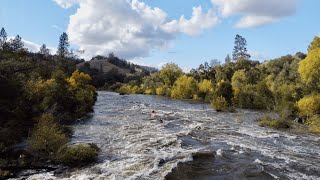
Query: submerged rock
[253,170]
[161,162]
[203,154]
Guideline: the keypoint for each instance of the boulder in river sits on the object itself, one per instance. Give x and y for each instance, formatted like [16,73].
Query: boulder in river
[203,154]
[252,170]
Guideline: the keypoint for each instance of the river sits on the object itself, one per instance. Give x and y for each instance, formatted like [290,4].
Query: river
[187,140]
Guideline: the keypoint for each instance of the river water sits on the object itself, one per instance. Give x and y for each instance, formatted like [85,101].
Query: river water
[187,140]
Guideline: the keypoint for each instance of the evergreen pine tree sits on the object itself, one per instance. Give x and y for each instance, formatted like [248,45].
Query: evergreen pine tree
[44,50]
[240,49]
[3,38]
[63,47]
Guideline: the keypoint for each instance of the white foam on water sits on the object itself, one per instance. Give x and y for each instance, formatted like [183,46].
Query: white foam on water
[42,176]
[274,176]
[219,152]
[134,146]
[258,161]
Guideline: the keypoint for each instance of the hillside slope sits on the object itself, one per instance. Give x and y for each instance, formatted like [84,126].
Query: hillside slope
[107,71]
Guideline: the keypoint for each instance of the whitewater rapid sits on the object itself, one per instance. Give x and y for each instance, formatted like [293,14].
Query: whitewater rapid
[187,140]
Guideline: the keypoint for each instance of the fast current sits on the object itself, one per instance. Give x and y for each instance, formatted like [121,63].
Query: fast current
[187,140]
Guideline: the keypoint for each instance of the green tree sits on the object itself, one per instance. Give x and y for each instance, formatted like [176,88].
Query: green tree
[44,50]
[63,47]
[3,38]
[227,59]
[16,44]
[224,89]
[240,48]
[170,73]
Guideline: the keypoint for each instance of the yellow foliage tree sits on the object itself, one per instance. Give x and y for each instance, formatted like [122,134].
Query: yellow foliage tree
[83,92]
[205,90]
[314,44]
[309,69]
[239,80]
[79,79]
[309,106]
[219,104]
[184,88]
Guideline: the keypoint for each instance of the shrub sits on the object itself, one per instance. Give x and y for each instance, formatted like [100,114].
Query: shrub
[309,106]
[78,154]
[150,91]
[267,121]
[160,91]
[219,104]
[314,124]
[136,89]
[125,89]
[224,89]
[255,97]
[205,90]
[47,137]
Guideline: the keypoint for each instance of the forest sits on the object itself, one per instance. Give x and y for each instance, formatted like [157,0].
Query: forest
[288,85]
[41,95]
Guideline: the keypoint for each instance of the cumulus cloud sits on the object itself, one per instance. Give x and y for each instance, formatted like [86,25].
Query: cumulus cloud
[256,12]
[130,28]
[195,25]
[65,3]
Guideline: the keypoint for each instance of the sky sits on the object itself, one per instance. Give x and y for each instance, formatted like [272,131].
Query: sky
[155,32]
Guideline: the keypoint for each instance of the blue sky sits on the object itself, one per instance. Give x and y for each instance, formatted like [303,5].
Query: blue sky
[187,44]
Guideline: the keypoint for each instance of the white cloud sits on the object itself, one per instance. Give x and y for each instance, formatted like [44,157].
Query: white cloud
[65,3]
[161,64]
[130,28]
[252,21]
[255,55]
[194,26]
[34,47]
[141,62]
[31,46]
[256,12]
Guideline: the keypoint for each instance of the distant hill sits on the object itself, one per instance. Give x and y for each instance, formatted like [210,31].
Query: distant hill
[108,71]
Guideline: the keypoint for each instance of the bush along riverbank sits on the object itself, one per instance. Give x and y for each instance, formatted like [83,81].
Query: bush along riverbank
[41,96]
[288,85]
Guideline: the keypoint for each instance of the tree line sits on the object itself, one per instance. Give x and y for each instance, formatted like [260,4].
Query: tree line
[289,85]
[41,94]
